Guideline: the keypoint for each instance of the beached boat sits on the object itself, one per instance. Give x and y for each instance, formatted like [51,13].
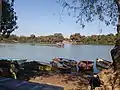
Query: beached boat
[36,65]
[8,68]
[99,68]
[20,61]
[86,65]
[64,65]
[68,62]
[103,63]
[83,65]
[43,66]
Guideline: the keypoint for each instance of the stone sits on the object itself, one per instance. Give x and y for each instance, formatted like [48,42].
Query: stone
[115,53]
[117,88]
[99,88]
[109,88]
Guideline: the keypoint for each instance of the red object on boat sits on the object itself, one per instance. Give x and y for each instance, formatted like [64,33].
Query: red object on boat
[86,65]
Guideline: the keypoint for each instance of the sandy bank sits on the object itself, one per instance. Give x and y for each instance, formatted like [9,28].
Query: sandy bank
[69,82]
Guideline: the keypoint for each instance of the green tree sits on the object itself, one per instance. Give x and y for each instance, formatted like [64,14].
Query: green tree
[13,37]
[32,36]
[58,37]
[88,10]
[8,19]
[76,37]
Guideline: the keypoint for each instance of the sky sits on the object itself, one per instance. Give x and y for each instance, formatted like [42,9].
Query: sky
[42,17]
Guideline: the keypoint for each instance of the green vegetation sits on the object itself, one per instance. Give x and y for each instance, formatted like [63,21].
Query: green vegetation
[93,39]
[50,39]
[8,19]
[58,37]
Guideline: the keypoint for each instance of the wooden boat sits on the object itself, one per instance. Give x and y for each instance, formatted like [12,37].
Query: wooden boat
[99,68]
[45,66]
[8,68]
[20,61]
[68,62]
[36,65]
[63,65]
[86,65]
[103,63]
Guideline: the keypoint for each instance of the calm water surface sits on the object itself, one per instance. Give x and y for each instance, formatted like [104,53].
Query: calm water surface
[47,53]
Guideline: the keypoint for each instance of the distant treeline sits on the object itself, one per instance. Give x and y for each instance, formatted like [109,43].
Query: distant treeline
[58,37]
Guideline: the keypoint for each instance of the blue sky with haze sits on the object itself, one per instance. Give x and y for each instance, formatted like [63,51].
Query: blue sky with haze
[42,17]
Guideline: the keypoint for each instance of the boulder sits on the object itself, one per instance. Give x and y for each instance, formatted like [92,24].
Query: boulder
[115,53]
[110,79]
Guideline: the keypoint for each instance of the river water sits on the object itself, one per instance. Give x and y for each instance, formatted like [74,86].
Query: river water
[47,53]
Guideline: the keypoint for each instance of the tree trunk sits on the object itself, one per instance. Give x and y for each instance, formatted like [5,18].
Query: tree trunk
[118,26]
[115,52]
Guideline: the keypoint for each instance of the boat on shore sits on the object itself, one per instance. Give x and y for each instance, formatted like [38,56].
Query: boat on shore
[68,62]
[105,64]
[9,68]
[85,65]
[18,60]
[37,66]
[64,65]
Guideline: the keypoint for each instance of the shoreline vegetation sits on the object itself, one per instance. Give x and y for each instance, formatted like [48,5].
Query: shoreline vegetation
[51,40]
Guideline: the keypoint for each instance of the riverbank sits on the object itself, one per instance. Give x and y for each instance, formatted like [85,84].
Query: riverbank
[69,82]
[73,82]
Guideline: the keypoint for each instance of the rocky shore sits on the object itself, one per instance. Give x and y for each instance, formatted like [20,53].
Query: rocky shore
[110,79]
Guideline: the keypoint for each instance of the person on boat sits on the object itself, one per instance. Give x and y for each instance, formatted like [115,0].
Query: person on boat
[94,81]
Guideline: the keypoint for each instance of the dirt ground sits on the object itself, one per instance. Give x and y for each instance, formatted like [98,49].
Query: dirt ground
[69,82]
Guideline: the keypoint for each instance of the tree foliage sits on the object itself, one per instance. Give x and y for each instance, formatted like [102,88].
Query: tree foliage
[51,39]
[89,10]
[58,37]
[8,19]
[93,39]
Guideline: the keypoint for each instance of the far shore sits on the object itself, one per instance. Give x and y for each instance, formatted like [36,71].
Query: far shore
[48,44]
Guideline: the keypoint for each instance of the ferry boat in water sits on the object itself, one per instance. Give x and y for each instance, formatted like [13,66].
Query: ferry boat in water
[60,45]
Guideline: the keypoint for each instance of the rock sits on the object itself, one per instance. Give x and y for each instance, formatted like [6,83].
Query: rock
[117,88]
[110,79]
[98,88]
[115,53]
[109,88]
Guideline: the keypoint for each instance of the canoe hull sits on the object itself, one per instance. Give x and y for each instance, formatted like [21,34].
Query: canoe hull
[103,63]
[36,65]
